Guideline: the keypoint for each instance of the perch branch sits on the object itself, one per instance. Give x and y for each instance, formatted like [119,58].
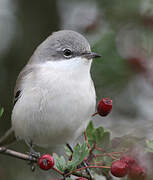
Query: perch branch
[5,151]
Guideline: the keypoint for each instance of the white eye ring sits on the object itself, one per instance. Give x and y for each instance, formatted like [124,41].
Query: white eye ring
[67,53]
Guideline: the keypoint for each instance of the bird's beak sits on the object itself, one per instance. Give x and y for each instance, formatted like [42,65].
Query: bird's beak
[91,55]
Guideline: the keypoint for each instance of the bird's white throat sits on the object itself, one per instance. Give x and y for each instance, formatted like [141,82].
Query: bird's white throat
[74,65]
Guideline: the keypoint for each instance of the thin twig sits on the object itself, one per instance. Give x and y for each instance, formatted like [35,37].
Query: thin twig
[99,149]
[97,163]
[91,155]
[86,139]
[83,168]
[58,171]
[94,114]
[5,151]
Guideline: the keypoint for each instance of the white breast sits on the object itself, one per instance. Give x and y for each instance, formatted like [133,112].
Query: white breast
[57,101]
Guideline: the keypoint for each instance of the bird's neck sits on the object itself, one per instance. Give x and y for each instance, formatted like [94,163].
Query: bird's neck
[77,67]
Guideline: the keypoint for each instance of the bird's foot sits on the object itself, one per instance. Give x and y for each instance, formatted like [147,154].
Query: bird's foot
[33,154]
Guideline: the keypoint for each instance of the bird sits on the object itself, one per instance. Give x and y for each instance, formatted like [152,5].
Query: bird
[54,95]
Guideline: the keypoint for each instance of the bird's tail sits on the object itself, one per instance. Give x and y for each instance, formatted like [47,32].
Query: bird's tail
[8,138]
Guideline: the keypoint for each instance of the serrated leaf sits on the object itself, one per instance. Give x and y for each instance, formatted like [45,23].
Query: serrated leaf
[79,153]
[90,133]
[99,132]
[98,136]
[105,140]
[60,162]
[1,112]
[149,146]
[90,129]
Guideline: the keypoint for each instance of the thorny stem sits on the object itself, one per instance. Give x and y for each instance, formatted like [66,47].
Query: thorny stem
[97,163]
[91,155]
[86,139]
[99,149]
[112,155]
[58,171]
[83,168]
[104,154]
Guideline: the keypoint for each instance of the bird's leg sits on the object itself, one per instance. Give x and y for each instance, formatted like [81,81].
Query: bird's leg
[32,153]
[83,163]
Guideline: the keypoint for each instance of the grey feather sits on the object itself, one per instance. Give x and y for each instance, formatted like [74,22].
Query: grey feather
[18,87]
[53,46]
[9,137]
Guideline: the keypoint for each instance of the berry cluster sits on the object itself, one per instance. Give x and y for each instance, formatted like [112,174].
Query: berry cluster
[127,165]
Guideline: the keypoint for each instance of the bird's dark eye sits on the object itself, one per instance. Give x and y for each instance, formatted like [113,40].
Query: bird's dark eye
[67,53]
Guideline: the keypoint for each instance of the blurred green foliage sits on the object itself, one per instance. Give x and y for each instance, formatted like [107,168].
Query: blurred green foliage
[110,73]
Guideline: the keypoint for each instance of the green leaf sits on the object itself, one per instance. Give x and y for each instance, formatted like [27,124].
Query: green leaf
[90,133]
[90,128]
[99,133]
[149,146]
[105,140]
[60,162]
[79,153]
[1,112]
[98,136]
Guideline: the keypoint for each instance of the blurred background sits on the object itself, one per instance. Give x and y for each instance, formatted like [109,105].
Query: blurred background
[121,31]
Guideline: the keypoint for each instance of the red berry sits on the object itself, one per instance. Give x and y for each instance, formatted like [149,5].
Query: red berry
[46,162]
[104,106]
[137,173]
[81,178]
[119,168]
[129,160]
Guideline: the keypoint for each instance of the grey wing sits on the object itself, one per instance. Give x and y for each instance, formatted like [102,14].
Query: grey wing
[9,137]
[18,88]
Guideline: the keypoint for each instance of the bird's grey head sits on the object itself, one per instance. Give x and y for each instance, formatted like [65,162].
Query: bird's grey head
[64,45]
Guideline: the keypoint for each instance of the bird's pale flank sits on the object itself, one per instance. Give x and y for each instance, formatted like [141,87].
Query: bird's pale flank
[54,93]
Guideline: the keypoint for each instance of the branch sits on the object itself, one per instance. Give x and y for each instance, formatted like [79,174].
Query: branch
[26,157]
[83,168]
